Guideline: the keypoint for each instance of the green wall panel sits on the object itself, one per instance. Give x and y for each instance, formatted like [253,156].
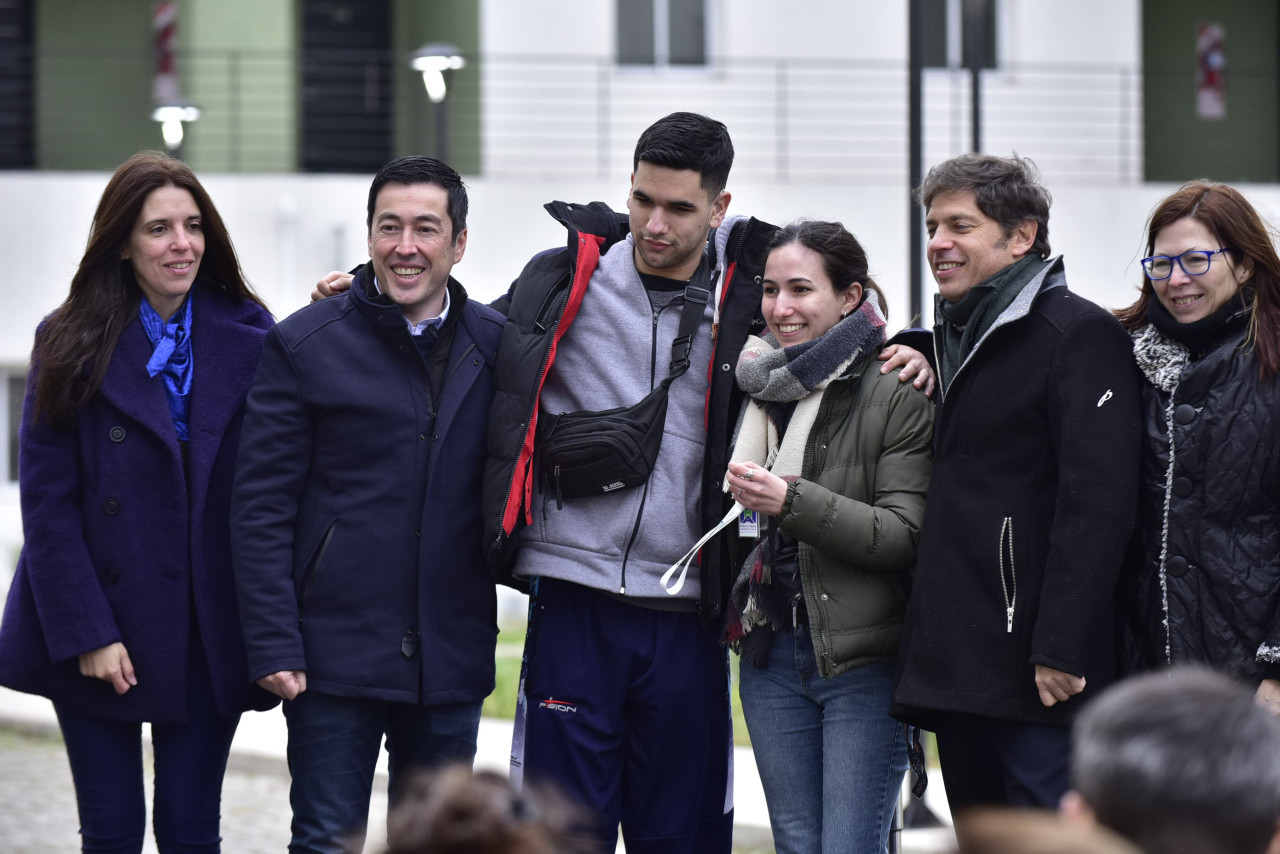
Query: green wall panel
[238,66]
[418,22]
[93,83]
[1179,144]
[237,62]
[94,71]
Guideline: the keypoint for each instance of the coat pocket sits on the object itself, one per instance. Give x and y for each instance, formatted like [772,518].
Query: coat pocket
[313,568]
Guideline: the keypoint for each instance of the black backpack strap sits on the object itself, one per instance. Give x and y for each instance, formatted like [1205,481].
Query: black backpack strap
[695,303]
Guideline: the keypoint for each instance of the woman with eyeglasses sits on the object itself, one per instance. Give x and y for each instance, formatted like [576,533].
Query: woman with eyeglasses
[1203,583]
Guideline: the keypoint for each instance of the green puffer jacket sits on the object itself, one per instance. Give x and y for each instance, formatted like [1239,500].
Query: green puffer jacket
[856,511]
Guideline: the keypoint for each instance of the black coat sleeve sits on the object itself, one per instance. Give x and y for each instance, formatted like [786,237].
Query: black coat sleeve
[1095,421]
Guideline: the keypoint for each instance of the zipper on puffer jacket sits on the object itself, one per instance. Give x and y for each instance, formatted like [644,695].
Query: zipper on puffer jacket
[1010,586]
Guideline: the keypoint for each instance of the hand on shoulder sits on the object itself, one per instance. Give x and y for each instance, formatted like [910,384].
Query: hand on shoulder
[331,284]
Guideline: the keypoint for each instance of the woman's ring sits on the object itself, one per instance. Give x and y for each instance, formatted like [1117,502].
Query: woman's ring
[749,473]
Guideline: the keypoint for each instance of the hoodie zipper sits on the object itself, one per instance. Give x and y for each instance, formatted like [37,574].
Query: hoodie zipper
[644,495]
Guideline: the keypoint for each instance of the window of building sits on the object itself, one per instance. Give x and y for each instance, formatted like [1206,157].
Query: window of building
[662,32]
[946,32]
[346,85]
[17,101]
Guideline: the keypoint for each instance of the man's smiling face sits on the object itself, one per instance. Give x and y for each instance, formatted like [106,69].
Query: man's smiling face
[967,247]
[412,248]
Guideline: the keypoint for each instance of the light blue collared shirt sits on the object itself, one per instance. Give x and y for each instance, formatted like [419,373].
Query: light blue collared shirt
[418,328]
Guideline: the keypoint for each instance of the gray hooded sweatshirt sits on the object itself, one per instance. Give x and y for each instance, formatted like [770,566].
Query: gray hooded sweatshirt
[623,542]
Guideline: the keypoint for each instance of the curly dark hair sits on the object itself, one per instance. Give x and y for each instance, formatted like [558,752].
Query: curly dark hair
[1006,189]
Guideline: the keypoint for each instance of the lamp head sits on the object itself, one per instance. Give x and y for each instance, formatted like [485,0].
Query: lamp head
[433,60]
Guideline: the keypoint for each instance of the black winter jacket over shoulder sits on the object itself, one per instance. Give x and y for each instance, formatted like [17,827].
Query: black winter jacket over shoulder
[1203,583]
[1030,509]
[540,307]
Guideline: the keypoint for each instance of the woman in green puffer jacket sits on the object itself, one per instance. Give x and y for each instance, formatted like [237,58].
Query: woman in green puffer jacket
[832,461]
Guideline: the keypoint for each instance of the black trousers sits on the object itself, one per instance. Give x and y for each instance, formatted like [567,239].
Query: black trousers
[994,762]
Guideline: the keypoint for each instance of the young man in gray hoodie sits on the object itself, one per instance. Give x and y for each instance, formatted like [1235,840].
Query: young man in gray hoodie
[625,691]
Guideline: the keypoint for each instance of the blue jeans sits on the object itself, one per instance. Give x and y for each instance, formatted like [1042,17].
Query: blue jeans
[333,751]
[190,761]
[831,760]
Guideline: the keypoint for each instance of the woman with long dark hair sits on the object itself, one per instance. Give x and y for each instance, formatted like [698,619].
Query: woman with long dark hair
[122,609]
[835,458]
[1203,584]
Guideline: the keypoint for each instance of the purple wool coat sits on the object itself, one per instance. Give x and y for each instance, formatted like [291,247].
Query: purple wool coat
[120,547]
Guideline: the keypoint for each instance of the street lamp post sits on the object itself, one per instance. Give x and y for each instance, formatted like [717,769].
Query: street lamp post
[433,60]
[975,47]
[172,117]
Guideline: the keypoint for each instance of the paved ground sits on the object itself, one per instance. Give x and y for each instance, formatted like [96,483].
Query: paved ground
[38,811]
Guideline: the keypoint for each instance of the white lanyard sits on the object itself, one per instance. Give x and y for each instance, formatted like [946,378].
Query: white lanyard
[683,563]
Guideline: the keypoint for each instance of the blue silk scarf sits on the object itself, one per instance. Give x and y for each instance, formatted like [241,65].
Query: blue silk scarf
[171,358]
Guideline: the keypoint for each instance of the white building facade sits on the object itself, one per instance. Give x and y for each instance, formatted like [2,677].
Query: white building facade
[813,91]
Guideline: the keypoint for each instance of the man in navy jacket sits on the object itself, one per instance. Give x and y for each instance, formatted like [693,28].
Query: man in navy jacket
[1033,496]
[364,594]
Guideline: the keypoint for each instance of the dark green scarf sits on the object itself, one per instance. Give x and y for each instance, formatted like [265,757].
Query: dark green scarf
[962,324]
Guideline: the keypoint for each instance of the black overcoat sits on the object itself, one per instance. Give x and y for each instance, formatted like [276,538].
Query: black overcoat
[1029,512]
[121,544]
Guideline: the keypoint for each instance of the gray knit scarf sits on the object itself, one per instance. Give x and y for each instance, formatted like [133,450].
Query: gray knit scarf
[781,374]
[775,377]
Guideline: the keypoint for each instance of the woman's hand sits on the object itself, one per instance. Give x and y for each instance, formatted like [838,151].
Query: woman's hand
[1268,696]
[757,488]
[110,664]
[913,365]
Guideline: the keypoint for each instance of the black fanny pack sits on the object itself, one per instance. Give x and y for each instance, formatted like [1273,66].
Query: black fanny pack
[596,452]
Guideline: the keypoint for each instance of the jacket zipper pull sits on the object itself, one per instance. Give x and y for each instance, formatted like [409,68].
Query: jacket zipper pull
[1009,625]
[559,499]
[795,612]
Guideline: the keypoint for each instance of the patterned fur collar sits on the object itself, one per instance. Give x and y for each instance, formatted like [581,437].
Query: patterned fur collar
[1161,359]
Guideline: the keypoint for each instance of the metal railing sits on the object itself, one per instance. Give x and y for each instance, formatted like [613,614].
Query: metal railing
[797,121]
[794,121]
